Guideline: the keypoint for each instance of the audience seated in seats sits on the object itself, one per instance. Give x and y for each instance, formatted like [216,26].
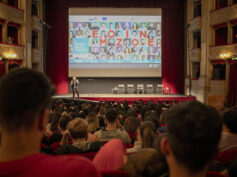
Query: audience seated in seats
[231,171]
[77,131]
[28,93]
[145,135]
[52,134]
[193,134]
[112,129]
[131,125]
[63,122]
[229,133]
[146,163]
[111,156]
[93,122]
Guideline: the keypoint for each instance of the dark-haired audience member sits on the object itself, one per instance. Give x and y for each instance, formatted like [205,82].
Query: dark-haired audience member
[23,129]
[229,135]
[131,125]
[111,156]
[146,163]
[52,130]
[145,135]
[111,131]
[63,121]
[193,134]
[77,130]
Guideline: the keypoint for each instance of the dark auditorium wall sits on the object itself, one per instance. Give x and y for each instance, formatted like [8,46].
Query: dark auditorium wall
[172,38]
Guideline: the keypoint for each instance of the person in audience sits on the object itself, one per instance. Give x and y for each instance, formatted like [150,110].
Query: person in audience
[229,135]
[145,135]
[146,163]
[63,121]
[9,40]
[131,125]
[193,134]
[77,131]
[93,122]
[111,130]
[111,156]
[52,133]
[23,129]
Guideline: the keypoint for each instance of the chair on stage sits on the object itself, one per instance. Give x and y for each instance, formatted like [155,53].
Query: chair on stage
[121,88]
[159,89]
[130,88]
[140,88]
[149,88]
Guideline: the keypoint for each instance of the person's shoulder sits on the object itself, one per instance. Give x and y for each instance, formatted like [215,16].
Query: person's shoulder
[72,165]
[98,133]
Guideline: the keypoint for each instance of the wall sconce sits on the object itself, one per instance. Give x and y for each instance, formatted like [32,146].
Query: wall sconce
[10,55]
[225,55]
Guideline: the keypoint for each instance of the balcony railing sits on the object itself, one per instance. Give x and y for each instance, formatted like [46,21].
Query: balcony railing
[223,15]
[195,55]
[16,50]
[35,23]
[217,87]
[11,13]
[195,24]
[216,51]
[36,55]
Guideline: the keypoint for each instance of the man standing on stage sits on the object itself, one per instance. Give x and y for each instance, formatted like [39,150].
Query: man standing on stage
[74,84]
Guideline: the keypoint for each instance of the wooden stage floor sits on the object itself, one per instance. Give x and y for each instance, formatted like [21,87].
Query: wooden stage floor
[130,97]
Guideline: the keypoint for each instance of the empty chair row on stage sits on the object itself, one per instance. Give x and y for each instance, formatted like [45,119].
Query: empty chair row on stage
[140,89]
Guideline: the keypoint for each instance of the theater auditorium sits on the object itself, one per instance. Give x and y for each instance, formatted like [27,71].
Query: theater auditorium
[118,88]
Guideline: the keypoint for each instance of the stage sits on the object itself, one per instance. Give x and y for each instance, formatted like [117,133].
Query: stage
[131,97]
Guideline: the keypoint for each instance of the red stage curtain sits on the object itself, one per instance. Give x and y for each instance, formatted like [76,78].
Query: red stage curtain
[173,38]
[173,49]
[233,86]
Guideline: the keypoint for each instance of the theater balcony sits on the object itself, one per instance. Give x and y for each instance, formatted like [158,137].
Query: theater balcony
[35,23]
[36,55]
[195,88]
[223,15]
[217,52]
[12,14]
[217,87]
[195,55]
[11,51]
[195,24]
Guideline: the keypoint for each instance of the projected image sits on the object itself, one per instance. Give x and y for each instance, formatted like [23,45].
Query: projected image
[115,39]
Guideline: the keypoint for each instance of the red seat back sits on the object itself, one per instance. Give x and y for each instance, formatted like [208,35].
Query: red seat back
[214,174]
[89,155]
[227,156]
[132,135]
[115,173]
[55,146]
